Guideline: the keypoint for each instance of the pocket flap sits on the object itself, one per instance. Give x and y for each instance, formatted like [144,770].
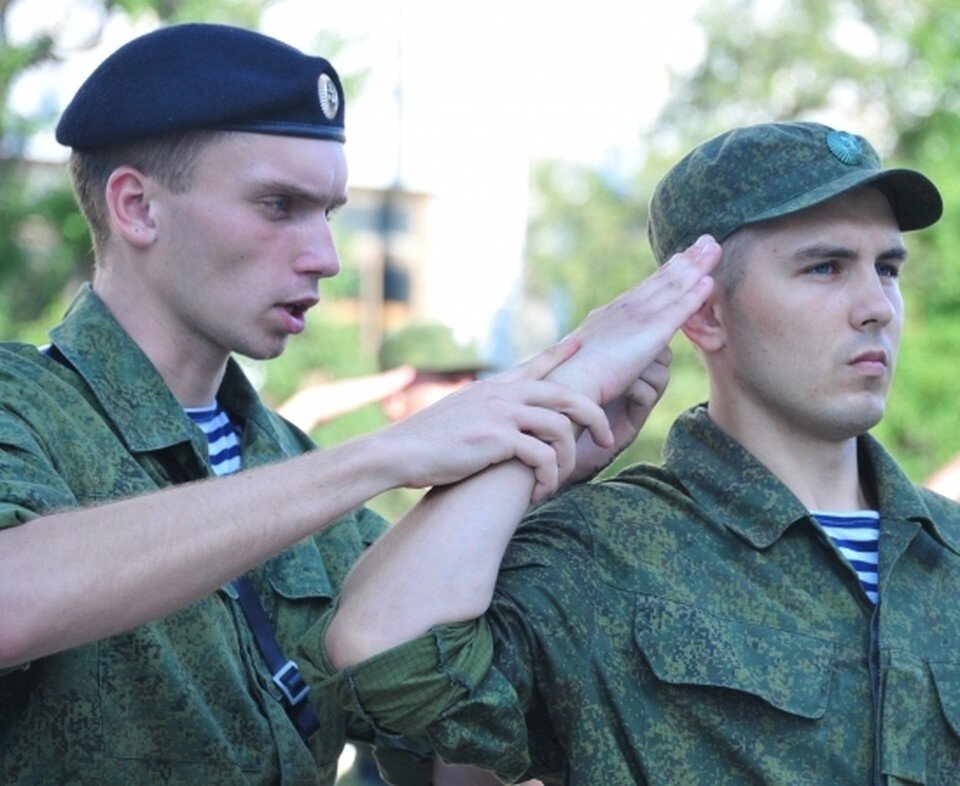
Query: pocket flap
[946,676]
[687,646]
[300,573]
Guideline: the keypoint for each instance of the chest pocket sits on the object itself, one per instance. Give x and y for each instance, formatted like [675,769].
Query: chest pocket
[921,721]
[946,677]
[685,646]
[190,688]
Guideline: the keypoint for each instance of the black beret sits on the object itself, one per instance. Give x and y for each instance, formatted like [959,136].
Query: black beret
[204,76]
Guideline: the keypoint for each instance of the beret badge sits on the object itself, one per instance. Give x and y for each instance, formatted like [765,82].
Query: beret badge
[329,97]
[845,147]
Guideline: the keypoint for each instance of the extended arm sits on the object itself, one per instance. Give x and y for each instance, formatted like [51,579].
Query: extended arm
[72,577]
[438,565]
[317,404]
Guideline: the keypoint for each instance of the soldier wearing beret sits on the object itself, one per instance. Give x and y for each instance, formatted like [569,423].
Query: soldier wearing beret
[151,594]
[775,603]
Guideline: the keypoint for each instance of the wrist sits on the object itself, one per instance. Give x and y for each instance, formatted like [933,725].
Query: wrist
[385,459]
[570,376]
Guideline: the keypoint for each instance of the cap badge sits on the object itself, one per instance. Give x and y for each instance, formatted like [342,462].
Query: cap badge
[845,147]
[329,96]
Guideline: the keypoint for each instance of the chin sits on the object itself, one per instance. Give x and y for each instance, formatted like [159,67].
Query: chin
[261,353]
[857,422]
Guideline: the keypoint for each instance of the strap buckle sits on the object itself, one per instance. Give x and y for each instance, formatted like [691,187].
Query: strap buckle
[291,683]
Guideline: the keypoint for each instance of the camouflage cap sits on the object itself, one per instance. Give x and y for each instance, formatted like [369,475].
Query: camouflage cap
[760,172]
[428,347]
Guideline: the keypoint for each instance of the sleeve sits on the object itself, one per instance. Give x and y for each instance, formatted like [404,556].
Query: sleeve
[29,484]
[541,623]
[476,687]
[445,672]
[403,759]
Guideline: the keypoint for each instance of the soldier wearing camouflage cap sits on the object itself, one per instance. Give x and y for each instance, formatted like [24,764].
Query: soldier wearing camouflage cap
[442,365]
[147,632]
[775,603]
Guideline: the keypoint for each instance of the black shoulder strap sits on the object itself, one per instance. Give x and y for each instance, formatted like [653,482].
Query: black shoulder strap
[285,672]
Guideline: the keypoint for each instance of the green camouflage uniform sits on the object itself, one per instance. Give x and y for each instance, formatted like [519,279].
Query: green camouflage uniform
[691,624]
[186,699]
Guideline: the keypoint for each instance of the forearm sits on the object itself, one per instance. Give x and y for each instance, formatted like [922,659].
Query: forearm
[438,565]
[72,577]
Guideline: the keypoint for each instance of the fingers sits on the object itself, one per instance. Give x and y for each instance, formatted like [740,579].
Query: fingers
[546,442]
[545,463]
[543,362]
[700,258]
[578,408]
[495,420]
[620,339]
[641,397]
[543,424]
[666,299]
[687,269]
[652,382]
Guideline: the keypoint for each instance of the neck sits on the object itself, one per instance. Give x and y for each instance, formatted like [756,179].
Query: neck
[192,372]
[823,474]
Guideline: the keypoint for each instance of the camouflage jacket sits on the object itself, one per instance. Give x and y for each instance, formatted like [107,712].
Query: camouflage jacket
[186,699]
[691,624]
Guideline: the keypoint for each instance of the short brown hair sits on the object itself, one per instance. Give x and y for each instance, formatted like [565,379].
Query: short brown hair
[171,159]
[733,267]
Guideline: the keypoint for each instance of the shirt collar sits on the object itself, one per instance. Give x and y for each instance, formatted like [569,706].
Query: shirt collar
[127,386]
[749,499]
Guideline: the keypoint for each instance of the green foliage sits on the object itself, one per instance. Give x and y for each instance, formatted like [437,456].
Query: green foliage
[881,67]
[44,242]
[236,12]
[586,241]
[326,350]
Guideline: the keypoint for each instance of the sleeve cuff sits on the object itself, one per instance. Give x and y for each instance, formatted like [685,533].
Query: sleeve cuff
[408,687]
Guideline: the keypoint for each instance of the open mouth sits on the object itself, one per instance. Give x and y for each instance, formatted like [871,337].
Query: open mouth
[296,312]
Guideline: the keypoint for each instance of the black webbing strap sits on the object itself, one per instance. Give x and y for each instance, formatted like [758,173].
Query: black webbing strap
[284,672]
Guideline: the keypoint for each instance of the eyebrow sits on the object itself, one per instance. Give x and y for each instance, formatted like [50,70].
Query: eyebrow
[826,251]
[308,195]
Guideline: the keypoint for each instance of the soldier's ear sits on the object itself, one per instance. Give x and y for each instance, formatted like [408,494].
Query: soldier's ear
[705,328]
[129,206]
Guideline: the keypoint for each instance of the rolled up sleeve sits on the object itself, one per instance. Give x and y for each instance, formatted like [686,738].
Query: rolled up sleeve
[443,683]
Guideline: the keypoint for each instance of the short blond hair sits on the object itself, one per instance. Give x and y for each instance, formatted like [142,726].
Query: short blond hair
[171,159]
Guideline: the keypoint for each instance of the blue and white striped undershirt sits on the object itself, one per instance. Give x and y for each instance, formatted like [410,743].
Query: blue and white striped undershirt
[223,438]
[856,535]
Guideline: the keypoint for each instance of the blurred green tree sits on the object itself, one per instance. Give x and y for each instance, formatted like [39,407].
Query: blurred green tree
[884,68]
[44,242]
